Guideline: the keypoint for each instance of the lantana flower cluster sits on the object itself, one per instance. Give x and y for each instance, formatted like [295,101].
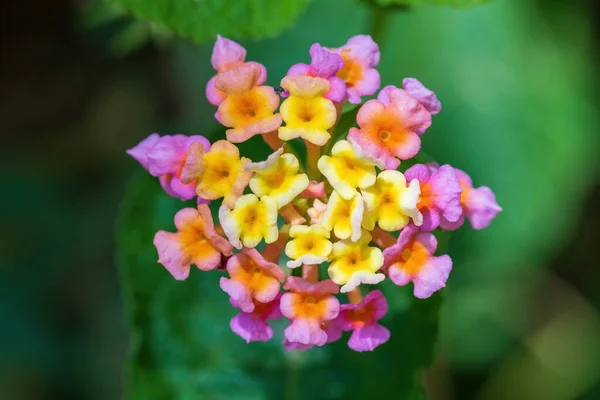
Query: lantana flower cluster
[345,217]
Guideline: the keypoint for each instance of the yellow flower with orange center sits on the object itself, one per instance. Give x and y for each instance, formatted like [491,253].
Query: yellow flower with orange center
[344,217]
[353,263]
[348,168]
[307,114]
[278,178]
[390,203]
[248,109]
[309,245]
[219,172]
[250,220]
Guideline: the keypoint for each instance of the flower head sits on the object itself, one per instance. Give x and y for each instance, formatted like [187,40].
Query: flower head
[362,320]
[308,306]
[250,220]
[252,326]
[164,157]
[218,172]
[307,114]
[248,109]
[278,178]
[324,64]
[348,168]
[309,245]
[478,204]
[440,194]
[251,278]
[390,203]
[226,55]
[195,242]
[344,217]
[411,260]
[389,131]
[360,55]
[354,263]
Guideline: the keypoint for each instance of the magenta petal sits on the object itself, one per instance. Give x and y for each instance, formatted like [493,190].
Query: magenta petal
[364,47]
[140,151]
[170,254]
[368,337]
[324,62]
[164,157]
[431,219]
[333,330]
[251,329]
[432,276]
[391,253]
[419,172]
[214,95]
[451,226]
[181,190]
[425,96]
[299,69]
[384,94]
[367,86]
[291,346]
[239,293]
[306,332]
[446,191]
[481,206]
[337,92]
[226,52]
[196,138]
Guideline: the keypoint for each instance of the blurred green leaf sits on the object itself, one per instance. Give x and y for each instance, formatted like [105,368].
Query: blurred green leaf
[452,3]
[203,20]
[347,121]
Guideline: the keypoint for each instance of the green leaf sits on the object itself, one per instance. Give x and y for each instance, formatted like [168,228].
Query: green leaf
[452,3]
[203,20]
[347,121]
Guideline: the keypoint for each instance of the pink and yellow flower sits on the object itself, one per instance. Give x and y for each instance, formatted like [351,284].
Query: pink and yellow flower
[278,178]
[362,320]
[348,168]
[416,89]
[411,259]
[308,306]
[389,131]
[164,157]
[353,263]
[195,242]
[324,64]
[478,204]
[440,193]
[226,55]
[252,326]
[390,202]
[360,54]
[307,114]
[251,278]
[344,217]
[310,245]
[249,109]
[218,172]
[250,220]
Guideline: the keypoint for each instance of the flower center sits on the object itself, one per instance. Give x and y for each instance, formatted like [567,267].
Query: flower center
[384,135]
[310,300]
[406,254]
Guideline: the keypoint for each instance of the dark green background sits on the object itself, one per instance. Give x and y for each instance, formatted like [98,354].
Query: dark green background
[519,319]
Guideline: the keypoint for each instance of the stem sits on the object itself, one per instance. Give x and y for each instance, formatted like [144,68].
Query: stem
[272,251]
[310,273]
[313,153]
[272,139]
[291,215]
[382,238]
[355,296]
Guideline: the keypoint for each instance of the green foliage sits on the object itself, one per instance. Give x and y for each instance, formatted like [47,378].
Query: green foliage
[203,20]
[452,3]
[181,345]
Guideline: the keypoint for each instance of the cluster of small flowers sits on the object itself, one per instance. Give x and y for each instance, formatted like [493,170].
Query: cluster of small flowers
[340,208]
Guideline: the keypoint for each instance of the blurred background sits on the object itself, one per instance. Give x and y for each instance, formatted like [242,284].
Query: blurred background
[83,81]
